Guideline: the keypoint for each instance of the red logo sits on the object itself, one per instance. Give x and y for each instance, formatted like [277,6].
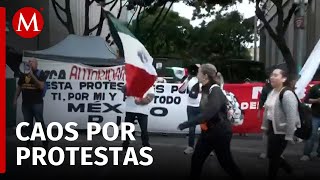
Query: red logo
[27,22]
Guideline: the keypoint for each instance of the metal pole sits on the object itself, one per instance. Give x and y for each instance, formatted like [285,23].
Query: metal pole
[301,38]
[255,39]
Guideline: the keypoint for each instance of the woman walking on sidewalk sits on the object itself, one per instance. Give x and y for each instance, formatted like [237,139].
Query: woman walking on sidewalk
[218,133]
[281,119]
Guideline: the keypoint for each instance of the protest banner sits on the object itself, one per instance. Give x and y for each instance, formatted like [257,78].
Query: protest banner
[82,94]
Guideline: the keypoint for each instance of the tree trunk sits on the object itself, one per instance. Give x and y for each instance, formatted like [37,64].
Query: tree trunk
[287,55]
[281,28]
[69,18]
[100,24]
[86,18]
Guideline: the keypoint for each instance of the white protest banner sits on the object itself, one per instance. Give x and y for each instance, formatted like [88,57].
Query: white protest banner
[82,94]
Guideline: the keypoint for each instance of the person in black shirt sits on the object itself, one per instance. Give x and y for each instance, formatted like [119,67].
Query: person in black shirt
[32,85]
[217,136]
[313,97]
[267,88]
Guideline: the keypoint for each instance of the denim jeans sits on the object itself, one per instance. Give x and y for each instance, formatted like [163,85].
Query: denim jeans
[192,113]
[143,122]
[31,111]
[314,139]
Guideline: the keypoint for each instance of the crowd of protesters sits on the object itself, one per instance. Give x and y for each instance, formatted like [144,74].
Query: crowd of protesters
[207,106]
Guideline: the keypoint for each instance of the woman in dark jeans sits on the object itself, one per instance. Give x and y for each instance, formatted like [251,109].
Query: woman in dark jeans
[281,119]
[217,136]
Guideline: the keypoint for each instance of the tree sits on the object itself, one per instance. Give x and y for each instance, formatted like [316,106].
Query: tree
[68,23]
[177,41]
[225,37]
[141,9]
[277,33]
[169,39]
[65,11]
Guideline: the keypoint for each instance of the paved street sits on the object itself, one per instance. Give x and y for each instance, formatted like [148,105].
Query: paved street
[169,160]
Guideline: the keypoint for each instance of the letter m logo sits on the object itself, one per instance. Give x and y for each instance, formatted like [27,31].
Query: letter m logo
[27,22]
[22,21]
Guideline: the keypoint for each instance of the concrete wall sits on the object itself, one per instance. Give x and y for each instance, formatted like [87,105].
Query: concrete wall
[313,27]
[269,52]
[54,31]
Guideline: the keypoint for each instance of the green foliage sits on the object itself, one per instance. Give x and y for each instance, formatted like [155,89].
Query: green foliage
[276,32]
[208,6]
[224,37]
[170,39]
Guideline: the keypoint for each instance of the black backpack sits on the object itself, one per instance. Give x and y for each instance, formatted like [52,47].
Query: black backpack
[305,114]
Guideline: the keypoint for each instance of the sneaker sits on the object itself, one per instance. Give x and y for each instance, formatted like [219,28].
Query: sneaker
[189,150]
[263,156]
[305,158]
[212,153]
[299,140]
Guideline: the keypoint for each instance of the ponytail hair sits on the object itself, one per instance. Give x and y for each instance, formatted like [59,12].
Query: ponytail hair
[219,79]
[213,74]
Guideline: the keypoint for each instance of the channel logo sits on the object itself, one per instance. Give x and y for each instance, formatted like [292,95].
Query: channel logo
[27,22]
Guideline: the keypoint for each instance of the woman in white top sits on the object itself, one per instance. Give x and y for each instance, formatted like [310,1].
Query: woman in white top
[192,85]
[281,119]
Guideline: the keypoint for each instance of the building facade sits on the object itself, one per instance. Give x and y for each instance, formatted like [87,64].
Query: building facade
[269,52]
[54,31]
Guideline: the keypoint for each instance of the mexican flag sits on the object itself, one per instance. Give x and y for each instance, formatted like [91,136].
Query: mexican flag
[140,73]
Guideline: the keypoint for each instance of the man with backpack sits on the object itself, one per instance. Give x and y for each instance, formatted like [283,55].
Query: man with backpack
[32,86]
[313,97]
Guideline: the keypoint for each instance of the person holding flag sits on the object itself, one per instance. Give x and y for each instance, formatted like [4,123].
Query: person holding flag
[140,76]
[137,109]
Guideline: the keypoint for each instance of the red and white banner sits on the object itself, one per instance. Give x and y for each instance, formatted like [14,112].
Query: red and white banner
[248,96]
